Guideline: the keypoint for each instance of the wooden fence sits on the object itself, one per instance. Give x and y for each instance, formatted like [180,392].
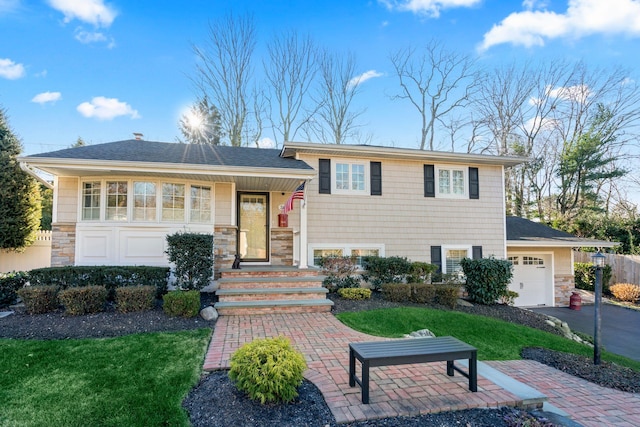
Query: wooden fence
[37,255]
[624,268]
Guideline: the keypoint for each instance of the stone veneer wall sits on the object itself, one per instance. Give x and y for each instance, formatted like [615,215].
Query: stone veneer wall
[564,284]
[224,248]
[63,244]
[282,246]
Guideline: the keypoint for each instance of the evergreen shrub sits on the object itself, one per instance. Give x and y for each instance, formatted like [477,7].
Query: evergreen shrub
[39,299]
[182,303]
[268,370]
[192,257]
[10,283]
[83,300]
[487,279]
[354,293]
[135,298]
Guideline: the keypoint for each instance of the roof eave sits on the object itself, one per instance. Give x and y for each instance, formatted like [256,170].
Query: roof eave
[290,149]
[562,243]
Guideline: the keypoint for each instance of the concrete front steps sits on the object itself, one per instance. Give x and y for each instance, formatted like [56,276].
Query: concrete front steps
[265,290]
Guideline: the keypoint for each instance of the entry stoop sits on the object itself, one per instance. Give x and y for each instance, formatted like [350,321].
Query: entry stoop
[267,290]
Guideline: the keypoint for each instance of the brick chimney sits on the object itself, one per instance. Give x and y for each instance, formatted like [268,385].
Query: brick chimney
[138,136]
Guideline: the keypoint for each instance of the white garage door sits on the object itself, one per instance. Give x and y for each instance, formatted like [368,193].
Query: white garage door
[532,279]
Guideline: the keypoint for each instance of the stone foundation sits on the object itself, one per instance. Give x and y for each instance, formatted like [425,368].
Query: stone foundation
[564,285]
[63,244]
[282,246]
[224,248]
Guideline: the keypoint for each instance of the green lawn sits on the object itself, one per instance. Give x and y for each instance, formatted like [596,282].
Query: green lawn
[495,339]
[134,380]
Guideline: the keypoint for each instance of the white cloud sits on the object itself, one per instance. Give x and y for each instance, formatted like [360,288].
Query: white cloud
[358,80]
[582,18]
[578,93]
[10,70]
[429,8]
[94,12]
[8,6]
[87,37]
[44,97]
[106,109]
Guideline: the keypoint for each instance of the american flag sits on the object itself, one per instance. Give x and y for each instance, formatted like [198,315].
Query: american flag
[298,193]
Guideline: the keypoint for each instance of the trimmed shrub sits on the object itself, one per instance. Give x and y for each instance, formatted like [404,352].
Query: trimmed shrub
[182,303]
[9,285]
[396,292]
[268,370]
[39,299]
[192,257]
[135,298]
[585,277]
[339,273]
[487,279]
[509,298]
[422,293]
[84,300]
[354,293]
[111,277]
[447,295]
[626,292]
[379,270]
[420,272]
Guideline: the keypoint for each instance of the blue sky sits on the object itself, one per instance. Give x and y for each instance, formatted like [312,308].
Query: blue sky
[102,70]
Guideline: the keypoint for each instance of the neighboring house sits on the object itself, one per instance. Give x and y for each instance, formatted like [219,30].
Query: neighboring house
[114,203]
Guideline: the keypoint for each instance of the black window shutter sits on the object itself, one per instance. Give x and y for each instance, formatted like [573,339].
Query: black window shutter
[474,184]
[436,257]
[325,176]
[429,181]
[376,178]
[476,252]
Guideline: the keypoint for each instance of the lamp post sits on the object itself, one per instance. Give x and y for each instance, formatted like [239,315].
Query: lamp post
[598,262]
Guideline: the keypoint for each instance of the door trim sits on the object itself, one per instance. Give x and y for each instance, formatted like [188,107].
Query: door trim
[239,195]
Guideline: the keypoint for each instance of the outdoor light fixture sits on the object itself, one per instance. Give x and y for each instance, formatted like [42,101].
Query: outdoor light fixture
[598,262]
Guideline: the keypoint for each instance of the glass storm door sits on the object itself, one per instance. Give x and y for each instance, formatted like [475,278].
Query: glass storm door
[253,226]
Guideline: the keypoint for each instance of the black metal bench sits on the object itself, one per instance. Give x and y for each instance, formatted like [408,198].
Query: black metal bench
[407,351]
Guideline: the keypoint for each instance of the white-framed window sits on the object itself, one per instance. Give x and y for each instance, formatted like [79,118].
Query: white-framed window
[173,196]
[350,177]
[318,251]
[91,194]
[144,201]
[452,182]
[130,200]
[452,256]
[200,203]
[117,200]
[530,260]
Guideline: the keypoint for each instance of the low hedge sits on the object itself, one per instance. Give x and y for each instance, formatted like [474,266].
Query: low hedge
[396,292]
[355,293]
[111,277]
[447,295]
[83,300]
[182,303]
[135,298]
[10,283]
[422,293]
[39,299]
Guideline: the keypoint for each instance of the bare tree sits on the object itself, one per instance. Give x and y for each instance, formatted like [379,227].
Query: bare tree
[435,81]
[290,72]
[338,87]
[224,72]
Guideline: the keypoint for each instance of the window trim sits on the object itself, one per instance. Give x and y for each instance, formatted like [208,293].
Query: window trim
[131,200]
[445,248]
[345,247]
[451,168]
[351,162]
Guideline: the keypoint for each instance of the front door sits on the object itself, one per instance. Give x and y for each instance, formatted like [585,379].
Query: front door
[253,226]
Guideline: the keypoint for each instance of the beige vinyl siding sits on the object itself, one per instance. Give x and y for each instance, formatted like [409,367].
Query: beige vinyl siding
[223,196]
[67,199]
[561,256]
[405,221]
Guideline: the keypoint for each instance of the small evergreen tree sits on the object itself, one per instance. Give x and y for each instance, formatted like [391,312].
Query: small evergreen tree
[20,208]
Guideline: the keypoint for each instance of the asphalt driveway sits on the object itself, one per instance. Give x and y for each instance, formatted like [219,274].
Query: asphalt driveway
[620,327]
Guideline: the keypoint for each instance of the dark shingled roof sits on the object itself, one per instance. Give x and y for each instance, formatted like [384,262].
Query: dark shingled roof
[162,152]
[524,229]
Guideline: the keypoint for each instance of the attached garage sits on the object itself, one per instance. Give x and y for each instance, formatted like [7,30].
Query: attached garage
[542,259]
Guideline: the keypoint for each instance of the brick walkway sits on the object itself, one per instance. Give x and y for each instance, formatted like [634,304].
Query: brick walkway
[585,402]
[412,389]
[402,390]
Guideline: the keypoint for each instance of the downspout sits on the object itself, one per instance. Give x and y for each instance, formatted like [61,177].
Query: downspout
[38,178]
